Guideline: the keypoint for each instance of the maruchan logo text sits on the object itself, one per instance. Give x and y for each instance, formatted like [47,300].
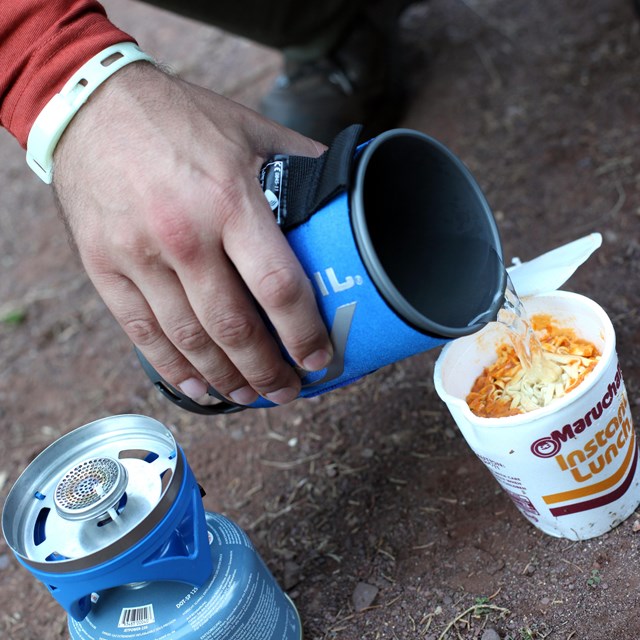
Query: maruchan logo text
[549,446]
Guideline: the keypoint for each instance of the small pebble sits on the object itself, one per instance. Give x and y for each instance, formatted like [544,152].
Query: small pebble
[363,596]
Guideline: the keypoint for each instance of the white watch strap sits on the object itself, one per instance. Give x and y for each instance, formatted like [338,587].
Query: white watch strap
[59,111]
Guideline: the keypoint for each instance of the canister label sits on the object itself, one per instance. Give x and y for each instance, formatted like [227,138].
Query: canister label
[241,601]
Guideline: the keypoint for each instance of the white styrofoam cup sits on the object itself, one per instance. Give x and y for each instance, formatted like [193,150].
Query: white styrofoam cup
[571,467]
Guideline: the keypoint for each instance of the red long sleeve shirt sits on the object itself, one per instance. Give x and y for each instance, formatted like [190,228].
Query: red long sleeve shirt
[42,43]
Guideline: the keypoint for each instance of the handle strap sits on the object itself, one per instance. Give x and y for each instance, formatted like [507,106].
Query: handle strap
[297,187]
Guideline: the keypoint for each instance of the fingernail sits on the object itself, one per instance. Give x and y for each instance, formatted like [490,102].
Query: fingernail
[193,388]
[283,396]
[244,395]
[319,359]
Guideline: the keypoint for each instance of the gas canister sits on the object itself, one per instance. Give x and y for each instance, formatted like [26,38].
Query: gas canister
[110,518]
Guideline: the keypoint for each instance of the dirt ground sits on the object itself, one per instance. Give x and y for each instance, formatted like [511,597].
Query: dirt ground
[371,484]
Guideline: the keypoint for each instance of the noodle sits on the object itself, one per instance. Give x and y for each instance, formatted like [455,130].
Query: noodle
[506,388]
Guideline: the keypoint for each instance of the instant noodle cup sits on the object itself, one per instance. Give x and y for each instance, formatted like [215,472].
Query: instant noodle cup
[571,467]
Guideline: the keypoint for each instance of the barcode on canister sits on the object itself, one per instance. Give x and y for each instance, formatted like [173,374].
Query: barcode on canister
[136,616]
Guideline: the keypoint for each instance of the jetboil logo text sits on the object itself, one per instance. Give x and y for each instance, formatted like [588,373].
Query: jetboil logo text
[341,325]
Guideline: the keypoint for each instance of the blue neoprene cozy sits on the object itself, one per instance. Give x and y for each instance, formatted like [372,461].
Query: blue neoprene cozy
[366,333]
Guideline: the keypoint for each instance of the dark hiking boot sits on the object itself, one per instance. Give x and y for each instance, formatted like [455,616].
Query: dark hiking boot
[358,82]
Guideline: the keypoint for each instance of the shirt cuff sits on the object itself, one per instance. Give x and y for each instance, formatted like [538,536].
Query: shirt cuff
[45,43]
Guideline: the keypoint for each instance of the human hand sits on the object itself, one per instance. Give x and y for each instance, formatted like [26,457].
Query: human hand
[157,180]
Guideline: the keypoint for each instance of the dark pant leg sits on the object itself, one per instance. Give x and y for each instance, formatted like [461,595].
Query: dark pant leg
[283,24]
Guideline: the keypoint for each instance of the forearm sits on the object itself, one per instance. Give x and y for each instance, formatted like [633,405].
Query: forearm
[41,45]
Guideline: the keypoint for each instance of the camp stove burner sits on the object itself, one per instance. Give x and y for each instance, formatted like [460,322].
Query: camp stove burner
[94,493]
[110,518]
[91,489]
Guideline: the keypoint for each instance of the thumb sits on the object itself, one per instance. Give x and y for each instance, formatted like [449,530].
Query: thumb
[276,138]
